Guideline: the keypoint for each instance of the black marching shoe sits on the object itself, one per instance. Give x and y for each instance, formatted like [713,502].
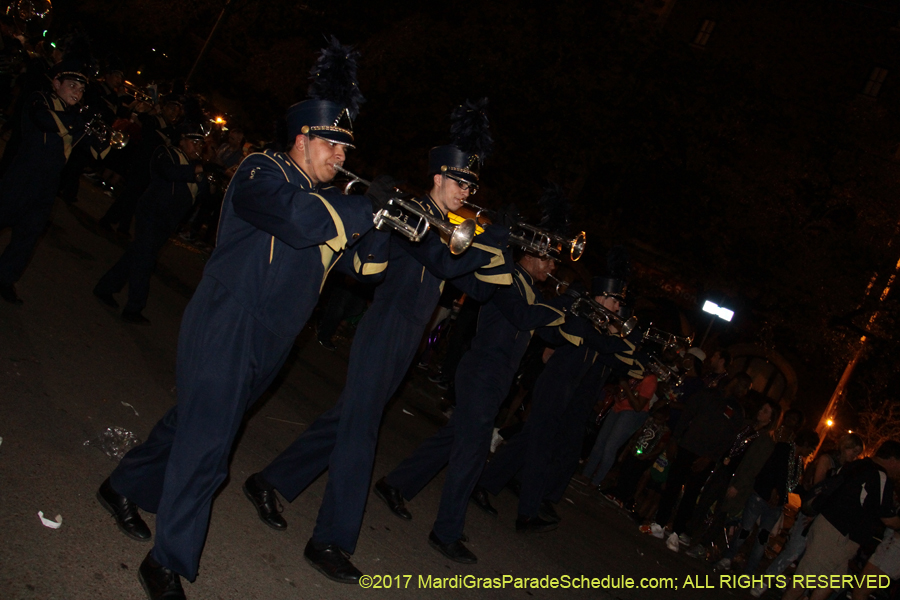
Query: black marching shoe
[134,317]
[534,525]
[393,498]
[106,299]
[8,293]
[331,562]
[455,551]
[480,499]
[264,500]
[128,519]
[548,512]
[159,582]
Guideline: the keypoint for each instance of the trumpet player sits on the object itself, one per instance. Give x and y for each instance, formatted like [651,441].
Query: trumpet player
[532,455]
[342,440]
[485,373]
[177,182]
[280,234]
[52,126]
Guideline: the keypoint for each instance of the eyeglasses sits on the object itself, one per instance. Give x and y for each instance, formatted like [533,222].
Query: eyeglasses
[464,185]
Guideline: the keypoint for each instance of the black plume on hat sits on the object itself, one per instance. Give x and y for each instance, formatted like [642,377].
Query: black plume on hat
[555,213]
[470,129]
[618,263]
[334,77]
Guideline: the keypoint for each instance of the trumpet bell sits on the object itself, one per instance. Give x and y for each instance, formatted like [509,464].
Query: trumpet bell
[628,326]
[462,236]
[577,246]
[118,139]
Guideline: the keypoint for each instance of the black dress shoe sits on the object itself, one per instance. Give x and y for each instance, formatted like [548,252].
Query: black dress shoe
[8,293]
[134,317]
[265,501]
[106,299]
[534,525]
[455,551]
[159,582]
[125,512]
[548,512]
[393,498]
[331,562]
[480,499]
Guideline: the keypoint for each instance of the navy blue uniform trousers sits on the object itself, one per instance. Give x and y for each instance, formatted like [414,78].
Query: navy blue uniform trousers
[186,454]
[528,454]
[342,439]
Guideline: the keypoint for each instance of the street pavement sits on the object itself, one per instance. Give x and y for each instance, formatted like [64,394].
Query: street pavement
[71,368]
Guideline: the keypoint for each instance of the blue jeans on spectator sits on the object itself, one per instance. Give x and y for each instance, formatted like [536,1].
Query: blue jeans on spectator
[793,548]
[616,430]
[755,508]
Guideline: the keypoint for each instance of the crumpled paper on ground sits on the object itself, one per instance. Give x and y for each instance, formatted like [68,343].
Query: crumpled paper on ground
[55,524]
[115,442]
[672,542]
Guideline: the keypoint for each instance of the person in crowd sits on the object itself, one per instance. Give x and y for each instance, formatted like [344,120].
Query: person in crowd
[829,464]
[714,489]
[630,409]
[707,428]
[505,326]
[51,128]
[718,368]
[283,228]
[343,439]
[729,506]
[640,453]
[779,477]
[853,514]
[177,181]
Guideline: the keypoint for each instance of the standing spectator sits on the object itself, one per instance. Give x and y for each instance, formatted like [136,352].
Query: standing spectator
[645,446]
[707,428]
[630,410]
[779,477]
[718,368]
[858,510]
[827,465]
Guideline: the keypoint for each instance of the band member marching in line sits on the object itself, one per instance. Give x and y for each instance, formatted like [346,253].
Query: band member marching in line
[177,182]
[52,126]
[530,455]
[280,234]
[343,439]
[485,373]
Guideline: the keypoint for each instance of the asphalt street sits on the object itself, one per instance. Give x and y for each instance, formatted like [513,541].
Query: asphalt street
[70,368]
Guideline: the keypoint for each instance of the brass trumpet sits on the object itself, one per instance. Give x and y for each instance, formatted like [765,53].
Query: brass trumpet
[602,318]
[539,241]
[459,236]
[666,339]
[562,287]
[96,128]
[664,372]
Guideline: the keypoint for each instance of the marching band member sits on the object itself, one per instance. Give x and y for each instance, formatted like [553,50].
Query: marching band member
[279,236]
[484,376]
[532,454]
[343,439]
[177,182]
[52,126]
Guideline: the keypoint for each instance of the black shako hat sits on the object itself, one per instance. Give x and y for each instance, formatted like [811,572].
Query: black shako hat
[614,282]
[70,68]
[334,98]
[193,131]
[470,144]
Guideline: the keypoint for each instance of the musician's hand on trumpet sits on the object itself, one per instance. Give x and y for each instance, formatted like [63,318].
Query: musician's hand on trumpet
[380,191]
